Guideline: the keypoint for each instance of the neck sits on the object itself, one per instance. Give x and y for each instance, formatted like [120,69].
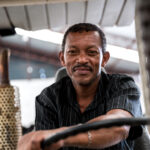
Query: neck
[85,94]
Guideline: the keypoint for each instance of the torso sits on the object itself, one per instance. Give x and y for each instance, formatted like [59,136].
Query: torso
[66,111]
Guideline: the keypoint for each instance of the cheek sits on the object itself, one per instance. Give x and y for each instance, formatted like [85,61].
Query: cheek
[68,64]
[69,61]
[97,67]
[97,62]
[69,68]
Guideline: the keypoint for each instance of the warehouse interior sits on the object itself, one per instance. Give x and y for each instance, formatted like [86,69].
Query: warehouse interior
[33,32]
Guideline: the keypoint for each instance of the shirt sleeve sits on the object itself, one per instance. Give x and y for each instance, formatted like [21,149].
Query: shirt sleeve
[125,95]
[46,112]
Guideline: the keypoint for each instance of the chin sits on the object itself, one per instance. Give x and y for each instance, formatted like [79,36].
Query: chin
[85,83]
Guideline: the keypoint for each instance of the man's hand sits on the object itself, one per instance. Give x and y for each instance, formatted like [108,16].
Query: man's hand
[32,140]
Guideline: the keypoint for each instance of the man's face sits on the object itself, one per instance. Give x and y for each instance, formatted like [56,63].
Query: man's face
[83,57]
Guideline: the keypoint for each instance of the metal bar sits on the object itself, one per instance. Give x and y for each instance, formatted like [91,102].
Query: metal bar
[31,2]
[4,75]
[93,126]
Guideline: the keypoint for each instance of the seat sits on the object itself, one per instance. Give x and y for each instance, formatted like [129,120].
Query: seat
[141,143]
[61,72]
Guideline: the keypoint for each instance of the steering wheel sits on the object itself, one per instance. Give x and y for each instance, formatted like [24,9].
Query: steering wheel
[94,125]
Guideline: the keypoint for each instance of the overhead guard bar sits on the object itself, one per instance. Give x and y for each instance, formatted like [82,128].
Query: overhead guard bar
[4,3]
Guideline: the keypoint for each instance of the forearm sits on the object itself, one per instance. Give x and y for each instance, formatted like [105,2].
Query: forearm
[101,138]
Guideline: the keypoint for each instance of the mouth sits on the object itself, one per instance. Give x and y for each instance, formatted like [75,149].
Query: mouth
[82,70]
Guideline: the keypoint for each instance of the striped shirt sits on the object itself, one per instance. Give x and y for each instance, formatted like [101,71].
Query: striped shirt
[57,106]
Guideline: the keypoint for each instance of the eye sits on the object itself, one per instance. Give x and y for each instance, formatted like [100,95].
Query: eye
[92,52]
[72,52]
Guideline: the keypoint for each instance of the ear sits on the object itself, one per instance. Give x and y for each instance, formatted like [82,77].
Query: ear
[106,57]
[61,58]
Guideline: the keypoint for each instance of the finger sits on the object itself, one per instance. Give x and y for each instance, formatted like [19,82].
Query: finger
[55,146]
[35,145]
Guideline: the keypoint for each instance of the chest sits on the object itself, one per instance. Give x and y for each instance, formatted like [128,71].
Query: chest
[71,114]
[84,103]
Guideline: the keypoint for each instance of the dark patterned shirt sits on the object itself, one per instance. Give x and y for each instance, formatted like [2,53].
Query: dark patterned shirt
[57,106]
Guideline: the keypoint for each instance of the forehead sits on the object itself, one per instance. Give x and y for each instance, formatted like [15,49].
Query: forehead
[83,37]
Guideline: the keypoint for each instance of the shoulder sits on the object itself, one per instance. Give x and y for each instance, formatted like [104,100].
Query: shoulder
[50,93]
[118,77]
[119,82]
[123,93]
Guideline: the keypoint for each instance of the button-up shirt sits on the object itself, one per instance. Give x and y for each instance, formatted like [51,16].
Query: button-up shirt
[57,106]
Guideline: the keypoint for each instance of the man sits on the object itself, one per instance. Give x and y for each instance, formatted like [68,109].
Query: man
[85,95]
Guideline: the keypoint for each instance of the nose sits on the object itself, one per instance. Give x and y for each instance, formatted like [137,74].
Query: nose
[82,58]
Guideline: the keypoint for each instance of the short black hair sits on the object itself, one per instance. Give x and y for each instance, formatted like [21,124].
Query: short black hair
[80,27]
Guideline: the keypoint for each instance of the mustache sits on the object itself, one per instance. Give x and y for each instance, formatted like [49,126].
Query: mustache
[82,65]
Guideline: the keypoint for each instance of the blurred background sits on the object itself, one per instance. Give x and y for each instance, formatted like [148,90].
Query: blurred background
[33,31]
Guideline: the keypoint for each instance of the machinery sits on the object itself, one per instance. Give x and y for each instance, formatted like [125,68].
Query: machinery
[10,120]
[10,127]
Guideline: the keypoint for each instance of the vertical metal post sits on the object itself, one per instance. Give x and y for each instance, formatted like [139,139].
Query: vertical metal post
[142,21]
[4,68]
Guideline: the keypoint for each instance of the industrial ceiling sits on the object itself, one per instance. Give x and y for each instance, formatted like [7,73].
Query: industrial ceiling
[57,15]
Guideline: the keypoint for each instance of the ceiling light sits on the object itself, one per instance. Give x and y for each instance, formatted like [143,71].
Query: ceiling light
[44,35]
[123,53]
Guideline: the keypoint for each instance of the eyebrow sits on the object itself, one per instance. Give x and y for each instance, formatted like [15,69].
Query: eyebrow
[72,46]
[92,46]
